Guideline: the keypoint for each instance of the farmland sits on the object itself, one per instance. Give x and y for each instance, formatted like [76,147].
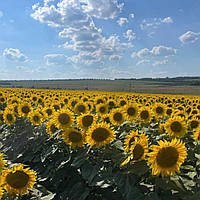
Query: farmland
[179,85]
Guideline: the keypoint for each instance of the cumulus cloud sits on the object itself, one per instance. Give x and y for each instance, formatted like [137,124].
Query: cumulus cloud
[156,51]
[140,62]
[153,23]
[131,15]
[160,62]
[78,27]
[14,55]
[104,9]
[55,59]
[129,35]
[189,37]
[121,21]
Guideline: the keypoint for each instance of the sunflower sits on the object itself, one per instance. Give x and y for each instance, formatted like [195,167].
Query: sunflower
[105,118]
[130,138]
[100,134]
[196,135]
[80,108]
[167,157]
[84,121]
[159,110]
[18,180]
[24,109]
[73,137]
[2,162]
[117,116]
[145,114]
[98,100]
[131,111]
[35,117]
[193,123]
[138,151]
[49,110]
[169,111]
[64,118]
[102,109]
[51,127]
[176,126]
[9,117]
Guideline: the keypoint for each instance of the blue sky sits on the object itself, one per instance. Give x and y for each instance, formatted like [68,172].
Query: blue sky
[46,39]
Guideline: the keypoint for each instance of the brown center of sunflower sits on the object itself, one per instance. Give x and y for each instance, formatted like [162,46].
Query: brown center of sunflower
[25,109]
[159,110]
[102,109]
[2,99]
[53,128]
[144,114]
[138,152]
[36,118]
[64,118]
[34,98]
[49,111]
[9,117]
[17,180]
[75,137]
[56,107]
[176,126]
[194,124]
[131,111]
[100,134]
[167,157]
[99,101]
[122,103]
[117,117]
[81,108]
[169,111]
[87,120]
[111,104]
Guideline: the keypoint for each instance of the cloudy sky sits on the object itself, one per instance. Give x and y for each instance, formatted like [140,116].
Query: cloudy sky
[45,39]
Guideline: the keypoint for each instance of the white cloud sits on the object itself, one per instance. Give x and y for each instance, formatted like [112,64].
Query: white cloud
[189,37]
[163,51]
[142,62]
[104,9]
[156,51]
[160,62]
[14,55]
[121,21]
[1,13]
[129,35]
[131,15]
[167,20]
[35,6]
[153,23]
[82,36]
[55,59]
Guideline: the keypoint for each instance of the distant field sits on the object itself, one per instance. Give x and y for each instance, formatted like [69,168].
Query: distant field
[181,85]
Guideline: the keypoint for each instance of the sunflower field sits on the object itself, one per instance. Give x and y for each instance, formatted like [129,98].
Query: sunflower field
[89,145]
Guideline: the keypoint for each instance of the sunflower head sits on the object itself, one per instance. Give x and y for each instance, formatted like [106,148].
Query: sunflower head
[131,111]
[73,137]
[196,134]
[18,180]
[100,134]
[63,118]
[9,116]
[159,110]
[84,121]
[117,116]
[102,109]
[80,108]
[145,114]
[176,126]
[24,109]
[193,123]
[167,157]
